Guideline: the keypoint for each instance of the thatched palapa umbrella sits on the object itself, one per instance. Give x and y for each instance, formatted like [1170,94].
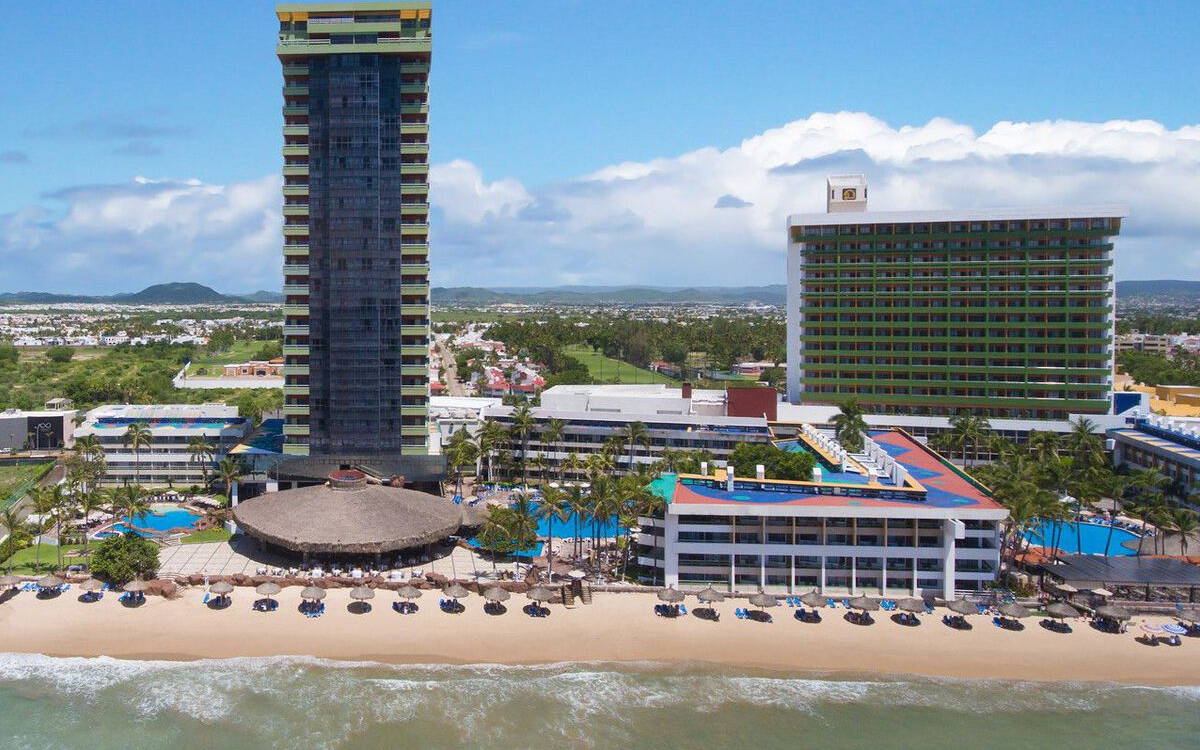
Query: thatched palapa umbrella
[864,604]
[221,588]
[1066,588]
[362,593]
[50,582]
[135,586]
[911,605]
[1061,610]
[9,580]
[496,594]
[710,596]
[92,584]
[1014,611]
[671,595]
[540,594]
[408,591]
[962,607]
[764,600]
[456,591]
[1103,593]
[268,589]
[813,599]
[316,593]
[1113,612]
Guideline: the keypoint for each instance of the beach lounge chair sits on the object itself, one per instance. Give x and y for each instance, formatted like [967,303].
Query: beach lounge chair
[832,604]
[682,610]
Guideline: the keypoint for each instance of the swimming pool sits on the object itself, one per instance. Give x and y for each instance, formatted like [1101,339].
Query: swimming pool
[1091,538]
[159,521]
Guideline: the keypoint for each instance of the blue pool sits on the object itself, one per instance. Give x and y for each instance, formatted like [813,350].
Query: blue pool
[1091,538]
[162,521]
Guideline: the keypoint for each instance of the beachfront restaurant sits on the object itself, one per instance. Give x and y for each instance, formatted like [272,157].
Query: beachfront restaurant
[909,523]
[1137,578]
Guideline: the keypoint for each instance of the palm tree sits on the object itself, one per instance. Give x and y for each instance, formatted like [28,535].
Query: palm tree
[553,505]
[43,501]
[552,435]
[491,438]
[633,434]
[89,501]
[14,528]
[577,501]
[969,429]
[460,451]
[1183,522]
[1084,446]
[136,437]
[128,500]
[230,471]
[88,446]
[1043,444]
[524,517]
[201,452]
[523,425]
[64,504]
[1115,489]
[849,425]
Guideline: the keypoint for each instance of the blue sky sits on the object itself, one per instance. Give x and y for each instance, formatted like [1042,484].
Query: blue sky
[535,96]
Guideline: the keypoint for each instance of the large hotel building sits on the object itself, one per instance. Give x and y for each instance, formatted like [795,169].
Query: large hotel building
[356,223]
[1006,313]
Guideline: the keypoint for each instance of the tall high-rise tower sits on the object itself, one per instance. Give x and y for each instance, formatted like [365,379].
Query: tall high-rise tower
[356,226]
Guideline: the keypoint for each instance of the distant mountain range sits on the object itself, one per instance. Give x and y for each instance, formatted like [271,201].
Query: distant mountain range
[174,293]
[774,294]
[190,293]
[1160,288]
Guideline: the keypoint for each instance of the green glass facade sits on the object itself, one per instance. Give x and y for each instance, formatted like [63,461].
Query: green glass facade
[356,225]
[1001,314]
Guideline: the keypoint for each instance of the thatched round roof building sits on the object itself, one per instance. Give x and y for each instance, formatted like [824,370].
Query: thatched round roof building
[348,516]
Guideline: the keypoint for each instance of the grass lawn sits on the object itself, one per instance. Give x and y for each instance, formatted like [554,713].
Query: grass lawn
[604,369]
[22,562]
[207,535]
[241,351]
[12,477]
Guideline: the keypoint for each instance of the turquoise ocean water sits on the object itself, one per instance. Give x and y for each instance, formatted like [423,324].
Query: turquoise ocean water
[307,703]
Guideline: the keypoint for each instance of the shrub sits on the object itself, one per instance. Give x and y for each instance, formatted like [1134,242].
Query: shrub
[60,354]
[125,557]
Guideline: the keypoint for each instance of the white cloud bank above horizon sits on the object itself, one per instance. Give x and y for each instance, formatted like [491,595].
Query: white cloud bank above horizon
[708,217]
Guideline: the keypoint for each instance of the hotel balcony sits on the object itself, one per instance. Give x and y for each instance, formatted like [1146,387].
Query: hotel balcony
[407,330]
[295,69]
[295,269]
[413,350]
[298,170]
[295,110]
[414,410]
[411,429]
[295,230]
[295,330]
[414,148]
[409,127]
[295,310]
[295,190]
[411,168]
[295,89]
[296,251]
[297,130]
[295,350]
[295,370]
[407,188]
[295,209]
[412,370]
[297,410]
[414,289]
[295,390]
[295,149]
[296,430]
[414,390]
[407,209]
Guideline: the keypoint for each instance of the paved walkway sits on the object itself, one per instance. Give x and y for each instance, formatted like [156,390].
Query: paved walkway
[241,556]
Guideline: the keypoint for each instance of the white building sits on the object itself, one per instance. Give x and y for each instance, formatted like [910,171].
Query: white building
[897,520]
[172,427]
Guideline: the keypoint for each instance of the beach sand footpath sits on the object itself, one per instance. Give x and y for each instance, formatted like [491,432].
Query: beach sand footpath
[615,628]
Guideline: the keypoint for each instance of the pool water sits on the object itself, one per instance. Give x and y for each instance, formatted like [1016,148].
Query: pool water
[1090,540]
[161,521]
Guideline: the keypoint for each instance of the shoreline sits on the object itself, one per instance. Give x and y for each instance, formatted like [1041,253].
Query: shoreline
[615,629]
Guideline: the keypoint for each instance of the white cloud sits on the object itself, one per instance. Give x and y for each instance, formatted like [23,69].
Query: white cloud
[646,222]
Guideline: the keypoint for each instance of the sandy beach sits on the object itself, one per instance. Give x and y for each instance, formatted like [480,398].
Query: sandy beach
[615,628]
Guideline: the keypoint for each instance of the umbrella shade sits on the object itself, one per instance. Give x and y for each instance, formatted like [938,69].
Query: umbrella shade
[9,580]
[1150,628]
[221,588]
[1102,592]
[1061,610]
[49,582]
[864,604]
[962,607]
[135,586]
[911,604]
[1014,610]
[710,595]
[362,592]
[1174,629]
[408,591]
[92,584]
[763,600]
[312,592]
[496,594]
[540,594]
[578,575]
[268,589]
[456,591]
[1066,588]
[1189,615]
[673,596]
[1113,612]
[813,599]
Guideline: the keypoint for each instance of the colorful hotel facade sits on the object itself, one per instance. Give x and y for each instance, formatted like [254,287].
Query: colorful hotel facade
[1005,313]
[356,225]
